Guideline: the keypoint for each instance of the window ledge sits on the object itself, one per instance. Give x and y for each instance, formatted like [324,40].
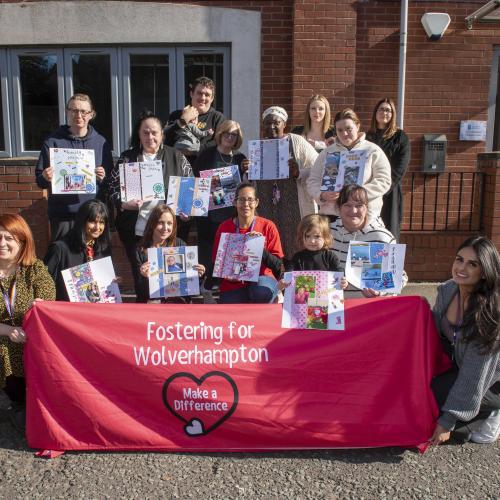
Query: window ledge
[21,161]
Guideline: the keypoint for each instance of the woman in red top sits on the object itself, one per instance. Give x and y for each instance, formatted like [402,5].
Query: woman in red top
[247,222]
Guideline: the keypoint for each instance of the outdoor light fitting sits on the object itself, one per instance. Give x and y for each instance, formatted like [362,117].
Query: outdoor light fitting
[435,24]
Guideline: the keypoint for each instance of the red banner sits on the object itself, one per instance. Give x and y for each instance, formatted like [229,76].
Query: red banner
[227,377]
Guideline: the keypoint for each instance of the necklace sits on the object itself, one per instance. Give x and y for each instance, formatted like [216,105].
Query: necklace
[230,155]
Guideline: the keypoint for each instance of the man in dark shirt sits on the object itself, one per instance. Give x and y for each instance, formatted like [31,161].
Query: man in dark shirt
[202,95]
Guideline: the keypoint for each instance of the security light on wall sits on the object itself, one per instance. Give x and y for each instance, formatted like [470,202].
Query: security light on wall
[435,24]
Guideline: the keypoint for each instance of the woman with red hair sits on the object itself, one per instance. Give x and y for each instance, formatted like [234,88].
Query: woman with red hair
[23,278]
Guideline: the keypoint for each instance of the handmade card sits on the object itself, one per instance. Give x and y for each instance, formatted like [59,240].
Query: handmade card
[74,171]
[189,195]
[313,300]
[239,257]
[172,273]
[93,281]
[142,181]
[269,159]
[347,167]
[224,182]
[379,266]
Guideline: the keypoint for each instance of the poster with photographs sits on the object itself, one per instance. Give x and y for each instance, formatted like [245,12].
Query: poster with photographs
[224,182]
[172,272]
[314,300]
[189,195]
[268,159]
[142,181]
[351,168]
[74,171]
[93,281]
[379,266]
[239,257]
[331,172]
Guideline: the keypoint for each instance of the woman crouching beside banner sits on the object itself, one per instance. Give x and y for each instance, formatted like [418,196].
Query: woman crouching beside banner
[233,291]
[160,231]
[88,240]
[23,278]
[466,314]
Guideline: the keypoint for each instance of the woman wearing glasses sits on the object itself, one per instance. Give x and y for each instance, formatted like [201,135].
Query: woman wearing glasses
[395,144]
[77,134]
[247,222]
[228,138]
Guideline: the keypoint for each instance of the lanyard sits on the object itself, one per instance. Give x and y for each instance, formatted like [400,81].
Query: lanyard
[237,224]
[10,299]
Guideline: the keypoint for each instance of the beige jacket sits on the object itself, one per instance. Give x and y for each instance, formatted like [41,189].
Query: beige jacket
[377,177]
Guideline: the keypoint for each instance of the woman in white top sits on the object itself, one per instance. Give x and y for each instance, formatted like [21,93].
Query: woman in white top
[377,172]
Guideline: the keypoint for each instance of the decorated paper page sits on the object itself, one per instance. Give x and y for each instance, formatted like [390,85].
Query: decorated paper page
[313,300]
[94,281]
[142,181]
[189,195]
[74,171]
[268,159]
[172,273]
[351,168]
[376,265]
[239,257]
[331,172]
[224,182]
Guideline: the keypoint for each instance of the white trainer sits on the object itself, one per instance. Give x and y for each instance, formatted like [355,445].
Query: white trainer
[489,430]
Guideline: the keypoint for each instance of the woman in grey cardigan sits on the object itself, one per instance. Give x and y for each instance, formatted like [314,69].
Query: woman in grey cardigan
[466,314]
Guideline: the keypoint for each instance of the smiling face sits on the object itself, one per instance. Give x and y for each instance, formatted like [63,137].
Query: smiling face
[353,214]
[9,247]
[384,115]
[163,228]
[150,135]
[466,270]
[274,127]
[202,98]
[228,139]
[317,110]
[94,229]
[347,132]
[246,203]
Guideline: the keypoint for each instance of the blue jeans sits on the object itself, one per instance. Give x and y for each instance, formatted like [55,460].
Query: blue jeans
[262,292]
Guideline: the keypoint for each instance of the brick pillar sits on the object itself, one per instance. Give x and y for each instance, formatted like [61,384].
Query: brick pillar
[489,165]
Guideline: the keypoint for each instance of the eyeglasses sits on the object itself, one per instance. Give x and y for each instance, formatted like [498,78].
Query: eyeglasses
[242,201]
[77,112]
[230,135]
[385,110]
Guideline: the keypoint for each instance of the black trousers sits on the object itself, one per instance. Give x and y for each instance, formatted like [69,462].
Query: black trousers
[15,388]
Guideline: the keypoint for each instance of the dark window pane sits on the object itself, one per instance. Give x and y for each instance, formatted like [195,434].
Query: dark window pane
[209,65]
[496,130]
[40,108]
[2,138]
[149,85]
[92,76]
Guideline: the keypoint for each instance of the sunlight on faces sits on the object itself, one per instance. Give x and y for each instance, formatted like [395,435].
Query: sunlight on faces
[163,229]
[94,229]
[78,114]
[274,127]
[228,139]
[246,202]
[353,214]
[317,110]
[202,98]
[9,246]
[466,270]
[347,131]
[150,135]
[384,115]
[313,240]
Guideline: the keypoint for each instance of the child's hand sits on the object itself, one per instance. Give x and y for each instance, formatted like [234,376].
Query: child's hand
[282,284]
[144,270]
[200,268]
[343,283]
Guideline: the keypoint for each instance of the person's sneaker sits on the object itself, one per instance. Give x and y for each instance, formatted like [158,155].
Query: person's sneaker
[489,430]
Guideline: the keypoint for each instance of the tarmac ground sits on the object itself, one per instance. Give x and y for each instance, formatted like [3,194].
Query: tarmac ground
[458,470]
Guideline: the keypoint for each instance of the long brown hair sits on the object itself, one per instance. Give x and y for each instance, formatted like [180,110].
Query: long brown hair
[21,232]
[147,238]
[392,127]
[326,120]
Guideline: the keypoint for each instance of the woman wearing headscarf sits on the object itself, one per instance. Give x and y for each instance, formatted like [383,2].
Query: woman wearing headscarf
[286,201]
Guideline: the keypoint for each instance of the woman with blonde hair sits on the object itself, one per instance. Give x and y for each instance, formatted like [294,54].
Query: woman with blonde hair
[317,128]
[396,145]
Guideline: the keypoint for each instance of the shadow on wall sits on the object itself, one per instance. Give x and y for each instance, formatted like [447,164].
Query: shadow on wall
[38,221]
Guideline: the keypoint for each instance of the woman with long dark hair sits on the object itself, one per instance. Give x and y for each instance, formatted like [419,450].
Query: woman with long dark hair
[395,144]
[466,314]
[88,240]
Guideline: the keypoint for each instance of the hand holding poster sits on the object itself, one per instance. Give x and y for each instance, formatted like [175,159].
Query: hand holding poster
[239,257]
[379,266]
[74,171]
[313,300]
[224,182]
[269,159]
[93,281]
[171,272]
[142,181]
[189,195]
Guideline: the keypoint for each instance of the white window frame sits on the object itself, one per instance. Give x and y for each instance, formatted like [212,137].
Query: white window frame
[5,94]
[18,139]
[492,99]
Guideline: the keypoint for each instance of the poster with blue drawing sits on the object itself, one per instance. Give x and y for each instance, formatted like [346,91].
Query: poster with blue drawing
[172,272]
[330,172]
[189,195]
[314,300]
[74,171]
[269,159]
[379,266]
